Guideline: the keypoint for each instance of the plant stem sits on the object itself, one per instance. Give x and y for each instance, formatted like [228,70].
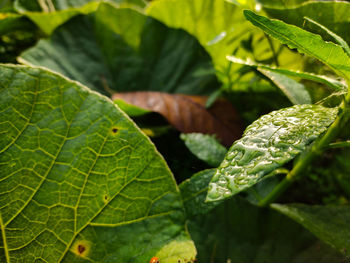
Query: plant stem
[319,146]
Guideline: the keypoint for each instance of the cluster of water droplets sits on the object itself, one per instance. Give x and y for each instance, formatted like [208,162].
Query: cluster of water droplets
[267,144]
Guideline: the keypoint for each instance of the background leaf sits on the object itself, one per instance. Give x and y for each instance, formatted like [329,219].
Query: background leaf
[131,110]
[187,114]
[79,181]
[125,51]
[333,84]
[240,232]
[267,144]
[205,147]
[49,21]
[194,191]
[295,92]
[329,223]
[16,34]
[11,21]
[54,5]
[222,30]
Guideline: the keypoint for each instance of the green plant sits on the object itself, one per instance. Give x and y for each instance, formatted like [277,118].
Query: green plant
[80,181]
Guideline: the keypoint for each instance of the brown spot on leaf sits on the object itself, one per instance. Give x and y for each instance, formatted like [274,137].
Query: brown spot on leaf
[81,249]
[114,130]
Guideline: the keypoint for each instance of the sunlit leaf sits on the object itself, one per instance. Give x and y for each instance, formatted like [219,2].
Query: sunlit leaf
[332,14]
[222,30]
[79,181]
[267,144]
[327,52]
[121,49]
[333,84]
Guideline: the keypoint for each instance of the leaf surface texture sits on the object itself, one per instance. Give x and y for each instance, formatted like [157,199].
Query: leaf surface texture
[79,181]
[267,144]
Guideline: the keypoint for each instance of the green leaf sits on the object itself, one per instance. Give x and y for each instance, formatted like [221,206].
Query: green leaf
[205,147]
[332,14]
[337,38]
[194,191]
[211,22]
[335,85]
[125,51]
[79,181]
[280,4]
[295,91]
[236,231]
[257,193]
[48,22]
[131,110]
[49,15]
[267,144]
[55,5]
[10,22]
[329,223]
[222,30]
[306,42]
[339,169]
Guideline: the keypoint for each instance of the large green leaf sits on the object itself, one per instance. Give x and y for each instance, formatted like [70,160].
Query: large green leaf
[236,231]
[329,53]
[48,15]
[267,144]
[332,14]
[329,223]
[125,51]
[222,30]
[79,181]
[48,22]
[54,5]
[211,22]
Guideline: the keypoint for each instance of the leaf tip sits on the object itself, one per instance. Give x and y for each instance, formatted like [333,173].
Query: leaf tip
[247,13]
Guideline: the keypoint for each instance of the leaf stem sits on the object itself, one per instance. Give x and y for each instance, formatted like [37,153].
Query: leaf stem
[318,147]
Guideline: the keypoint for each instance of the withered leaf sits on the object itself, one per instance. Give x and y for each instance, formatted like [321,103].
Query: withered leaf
[188,113]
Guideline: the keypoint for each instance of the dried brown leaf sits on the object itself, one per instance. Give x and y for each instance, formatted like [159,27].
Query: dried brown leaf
[188,113]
